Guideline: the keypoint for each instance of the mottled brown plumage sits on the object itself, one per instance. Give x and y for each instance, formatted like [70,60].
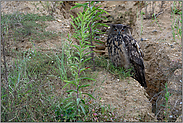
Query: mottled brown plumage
[124,51]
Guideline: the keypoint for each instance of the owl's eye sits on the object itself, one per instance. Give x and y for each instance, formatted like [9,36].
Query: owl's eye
[122,30]
[115,29]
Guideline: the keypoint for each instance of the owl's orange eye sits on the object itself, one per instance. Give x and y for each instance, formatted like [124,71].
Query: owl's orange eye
[115,29]
[122,30]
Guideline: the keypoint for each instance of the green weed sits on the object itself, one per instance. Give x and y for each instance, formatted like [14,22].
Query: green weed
[28,94]
[176,21]
[76,100]
[95,14]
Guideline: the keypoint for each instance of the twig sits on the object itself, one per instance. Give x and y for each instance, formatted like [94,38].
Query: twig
[158,113]
[156,95]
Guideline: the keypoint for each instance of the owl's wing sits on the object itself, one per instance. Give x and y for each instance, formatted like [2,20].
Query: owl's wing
[134,51]
[136,60]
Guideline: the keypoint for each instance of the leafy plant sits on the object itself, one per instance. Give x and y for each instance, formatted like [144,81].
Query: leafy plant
[95,14]
[77,101]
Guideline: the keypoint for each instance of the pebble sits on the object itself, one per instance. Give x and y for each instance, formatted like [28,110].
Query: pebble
[59,20]
[144,39]
[171,45]
[154,31]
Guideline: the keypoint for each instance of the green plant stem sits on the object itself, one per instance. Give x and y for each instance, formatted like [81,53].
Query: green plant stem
[77,104]
[78,91]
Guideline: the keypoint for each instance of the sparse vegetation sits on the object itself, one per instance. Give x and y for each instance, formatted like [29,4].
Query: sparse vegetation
[164,111]
[176,20]
[23,26]
[55,86]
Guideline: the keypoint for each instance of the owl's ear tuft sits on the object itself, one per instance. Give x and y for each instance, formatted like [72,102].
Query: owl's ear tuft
[112,25]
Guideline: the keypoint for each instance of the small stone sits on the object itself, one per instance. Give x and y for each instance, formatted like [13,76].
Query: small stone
[154,31]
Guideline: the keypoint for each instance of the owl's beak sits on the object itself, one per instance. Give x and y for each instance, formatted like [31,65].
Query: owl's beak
[119,32]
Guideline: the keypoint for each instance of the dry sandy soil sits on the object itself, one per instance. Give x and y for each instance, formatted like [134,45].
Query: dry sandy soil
[132,101]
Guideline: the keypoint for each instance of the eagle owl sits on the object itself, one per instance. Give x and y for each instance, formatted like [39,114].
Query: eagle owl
[124,51]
